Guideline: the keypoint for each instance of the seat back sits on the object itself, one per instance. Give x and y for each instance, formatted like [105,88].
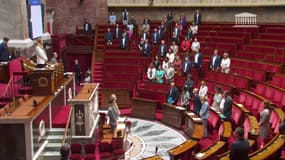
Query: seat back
[105,147]
[89,148]
[76,148]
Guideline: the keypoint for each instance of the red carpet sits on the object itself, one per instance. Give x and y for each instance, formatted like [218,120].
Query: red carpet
[59,120]
[2,88]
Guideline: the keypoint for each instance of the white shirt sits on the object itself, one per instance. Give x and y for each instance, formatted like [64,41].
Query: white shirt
[214,59]
[151,73]
[222,104]
[194,29]
[226,63]
[169,73]
[41,55]
[196,58]
[195,46]
[203,91]
[171,57]
[174,48]
[165,65]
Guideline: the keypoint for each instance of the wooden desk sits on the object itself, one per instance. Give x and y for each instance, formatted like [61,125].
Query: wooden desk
[144,108]
[210,151]
[4,73]
[227,130]
[172,116]
[25,108]
[226,155]
[193,126]
[153,158]
[123,97]
[182,151]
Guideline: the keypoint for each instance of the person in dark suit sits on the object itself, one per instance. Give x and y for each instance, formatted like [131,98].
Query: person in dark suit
[155,37]
[113,111]
[4,52]
[162,49]
[108,37]
[198,60]
[196,101]
[117,32]
[197,17]
[173,93]
[189,84]
[186,66]
[146,48]
[87,27]
[189,34]
[227,110]
[160,32]
[77,70]
[144,35]
[124,41]
[240,148]
[215,61]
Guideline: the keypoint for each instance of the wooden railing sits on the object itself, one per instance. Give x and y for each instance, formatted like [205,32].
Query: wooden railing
[194,3]
[66,130]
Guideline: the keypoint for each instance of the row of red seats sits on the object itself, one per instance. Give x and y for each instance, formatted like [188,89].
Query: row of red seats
[246,35]
[275,95]
[278,80]
[270,36]
[239,41]
[248,73]
[251,102]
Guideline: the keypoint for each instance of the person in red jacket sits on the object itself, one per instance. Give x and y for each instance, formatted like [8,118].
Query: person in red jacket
[186,44]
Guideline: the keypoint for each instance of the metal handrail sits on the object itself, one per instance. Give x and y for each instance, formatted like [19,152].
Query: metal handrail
[66,127]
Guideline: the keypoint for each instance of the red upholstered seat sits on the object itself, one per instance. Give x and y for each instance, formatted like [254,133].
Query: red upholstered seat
[255,104]
[260,109]
[75,157]
[277,79]
[242,97]
[117,148]
[248,102]
[76,148]
[282,103]
[246,126]
[213,119]
[89,158]
[277,97]
[236,116]
[269,92]
[260,89]
[89,150]
[105,150]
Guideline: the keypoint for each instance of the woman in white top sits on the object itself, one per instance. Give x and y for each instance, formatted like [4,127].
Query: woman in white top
[195,45]
[225,63]
[169,73]
[203,89]
[41,54]
[170,55]
[165,63]
[151,72]
[194,28]
[217,98]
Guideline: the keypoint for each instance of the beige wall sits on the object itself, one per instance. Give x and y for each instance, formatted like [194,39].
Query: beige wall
[69,13]
[213,14]
[13,19]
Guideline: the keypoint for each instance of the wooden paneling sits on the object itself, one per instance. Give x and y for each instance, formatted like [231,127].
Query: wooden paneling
[144,108]
[123,97]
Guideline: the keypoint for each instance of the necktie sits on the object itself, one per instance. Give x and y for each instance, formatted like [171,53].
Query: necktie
[150,74]
[185,69]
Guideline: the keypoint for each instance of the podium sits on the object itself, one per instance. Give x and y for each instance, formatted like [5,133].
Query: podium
[172,115]
[45,81]
[85,111]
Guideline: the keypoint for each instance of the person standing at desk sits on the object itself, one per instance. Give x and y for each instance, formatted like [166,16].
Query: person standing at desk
[240,148]
[53,59]
[227,109]
[4,52]
[41,54]
[113,111]
[87,27]
[77,69]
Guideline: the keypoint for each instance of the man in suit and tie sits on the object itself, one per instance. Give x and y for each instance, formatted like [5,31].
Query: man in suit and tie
[144,35]
[87,27]
[197,104]
[173,93]
[155,36]
[186,66]
[176,30]
[124,41]
[108,37]
[4,52]
[162,49]
[125,17]
[117,32]
[146,48]
[189,33]
[227,110]
[215,61]
[198,60]
[197,17]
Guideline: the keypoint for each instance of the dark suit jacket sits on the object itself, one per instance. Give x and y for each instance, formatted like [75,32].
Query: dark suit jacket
[164,50]
[146,49]
[89,27]
[197,104]
[228,107]
[188,67]
[178,31]
[200,61]
[174,94]
[197,19]
[117,33]
[240,150]
[142,34]
[216,63]
[189,34]
[126,45]
[4,52]
[108,36]
[155,39]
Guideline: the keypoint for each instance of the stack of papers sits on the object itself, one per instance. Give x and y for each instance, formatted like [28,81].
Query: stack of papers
[197,119]
[199,155]
[180,108]
[121,126]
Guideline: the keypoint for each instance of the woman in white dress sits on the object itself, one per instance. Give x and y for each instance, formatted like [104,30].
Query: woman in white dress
[195,45]
[217,98]
[225,63]
[203,89]
[170,55]
[194,28]
[41,54]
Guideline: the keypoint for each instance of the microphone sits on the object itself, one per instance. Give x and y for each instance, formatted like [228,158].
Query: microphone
[156,150]
[35,103]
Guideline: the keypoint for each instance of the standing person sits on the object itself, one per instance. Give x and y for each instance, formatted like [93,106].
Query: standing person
[205,114]
[198,60]
[174,47]
[117,31]
[240,148]
[185,45]
[215,61]
[264,124]
[162,49]
[185,97]
[53,59]
[159,75]
[112,18]
[194,28]
[217,98]
[197,17]
[146,49]
[155,36]
[151,71]
[225,63]
[196,101]
[203,91]
[169,73]
[108,37]
[156,62]
[186,66]
[177,63]
[113,111]
[124,41]
[195,46]
[173,94]
[4,52]
[78,72]
[41,54]
[125,17]
[87,27]
[189,84]
[227,109]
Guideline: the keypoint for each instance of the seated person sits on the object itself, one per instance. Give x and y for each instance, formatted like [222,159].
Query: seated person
[195,45]
[151,71]
[112,18]
[140,45]
[185,45]
[108,37]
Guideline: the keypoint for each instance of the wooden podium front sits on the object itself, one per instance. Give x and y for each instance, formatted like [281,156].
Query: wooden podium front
[144,108]
[45,81]
[172,115]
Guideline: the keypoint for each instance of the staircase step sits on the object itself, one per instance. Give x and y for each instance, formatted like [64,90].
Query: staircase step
[50,155]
